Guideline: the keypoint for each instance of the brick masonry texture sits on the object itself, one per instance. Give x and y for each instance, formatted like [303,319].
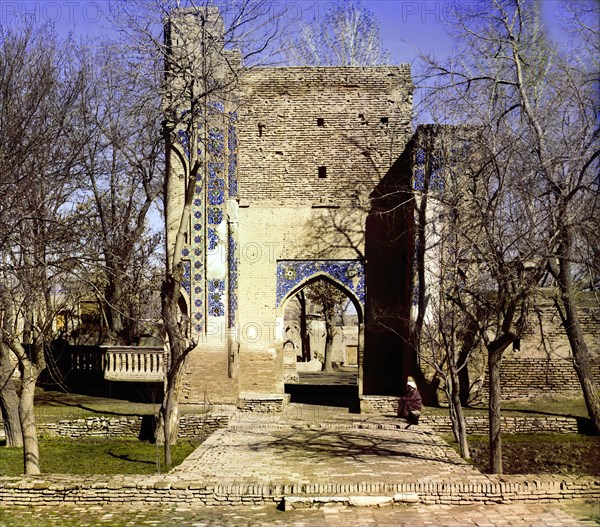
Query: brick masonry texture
[169,490]
[308,155]
[534,377]
[128,427]
[291,121]
[280,160]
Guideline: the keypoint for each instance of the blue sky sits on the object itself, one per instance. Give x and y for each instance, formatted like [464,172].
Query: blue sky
[405,24]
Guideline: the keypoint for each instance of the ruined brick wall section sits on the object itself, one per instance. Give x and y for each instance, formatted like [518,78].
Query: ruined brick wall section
[544,365]
[554,343]
[354,122]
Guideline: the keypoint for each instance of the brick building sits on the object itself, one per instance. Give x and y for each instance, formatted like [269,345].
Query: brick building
[297,166]
[304,173]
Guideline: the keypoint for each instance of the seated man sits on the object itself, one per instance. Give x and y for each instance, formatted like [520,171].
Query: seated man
[409,406]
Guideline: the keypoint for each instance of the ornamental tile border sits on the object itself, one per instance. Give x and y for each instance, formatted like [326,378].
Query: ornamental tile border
[350,274]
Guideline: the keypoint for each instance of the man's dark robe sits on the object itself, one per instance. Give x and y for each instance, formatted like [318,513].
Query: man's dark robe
[410,402]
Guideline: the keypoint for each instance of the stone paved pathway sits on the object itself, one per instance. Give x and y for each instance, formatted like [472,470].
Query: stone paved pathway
[324,453]
[511,515]
[318,445]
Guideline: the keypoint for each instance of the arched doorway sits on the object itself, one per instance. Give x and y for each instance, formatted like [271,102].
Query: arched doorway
[322,325]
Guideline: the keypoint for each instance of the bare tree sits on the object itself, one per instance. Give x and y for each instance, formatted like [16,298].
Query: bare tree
[39,156]
[504,83]
[9,398]
[568,155]
[447,335]
[346,35]
[328,298]
[122,179]
[204,47]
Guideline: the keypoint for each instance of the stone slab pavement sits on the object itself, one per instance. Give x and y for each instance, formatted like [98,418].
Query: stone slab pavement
[332,451]
[509,515]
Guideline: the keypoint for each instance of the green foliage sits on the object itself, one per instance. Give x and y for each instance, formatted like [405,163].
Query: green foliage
[325,295]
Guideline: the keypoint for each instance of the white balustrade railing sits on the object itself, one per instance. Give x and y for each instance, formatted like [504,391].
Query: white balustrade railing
[132,363]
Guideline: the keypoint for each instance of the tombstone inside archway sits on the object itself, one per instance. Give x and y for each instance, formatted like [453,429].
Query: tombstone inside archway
[321,334]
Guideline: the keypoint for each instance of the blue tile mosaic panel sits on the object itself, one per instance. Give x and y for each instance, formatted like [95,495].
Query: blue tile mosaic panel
[216,143]
[232,143]
[348,273]
[216,184]
[187,274]
[184,139]
[233,281]
[215,215]
[216,290]
[216,108]
[213,239]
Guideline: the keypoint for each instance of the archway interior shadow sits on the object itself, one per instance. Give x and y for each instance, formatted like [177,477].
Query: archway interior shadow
[340,396]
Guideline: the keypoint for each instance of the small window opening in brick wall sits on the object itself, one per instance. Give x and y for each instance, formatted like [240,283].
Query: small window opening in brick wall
[517,345]
[384,120]
[261,128]
[320,121]
[322,171]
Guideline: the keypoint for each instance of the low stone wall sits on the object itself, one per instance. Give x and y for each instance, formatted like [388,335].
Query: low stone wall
[510,425]
[191,425]
[113,427]
[262,403]
[144,491]
[475,424]
[380,404]
[194,425]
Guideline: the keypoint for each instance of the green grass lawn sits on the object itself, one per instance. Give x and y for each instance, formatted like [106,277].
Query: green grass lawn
[96,456]
[539,453]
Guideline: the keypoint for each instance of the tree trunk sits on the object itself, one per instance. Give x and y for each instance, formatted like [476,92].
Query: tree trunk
[31,454]
[495,351]
[459,427]
[9,400]
[328,313]
[170,410]
[579,349]
[469,342]
[304,336]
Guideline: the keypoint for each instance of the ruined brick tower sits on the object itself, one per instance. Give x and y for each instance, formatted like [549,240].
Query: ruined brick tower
[297,178]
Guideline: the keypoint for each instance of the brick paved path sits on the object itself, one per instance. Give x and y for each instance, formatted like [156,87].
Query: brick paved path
[335,453]
[316,446]
[511,515]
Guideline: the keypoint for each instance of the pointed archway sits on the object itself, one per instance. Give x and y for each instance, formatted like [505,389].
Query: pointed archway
[328,373]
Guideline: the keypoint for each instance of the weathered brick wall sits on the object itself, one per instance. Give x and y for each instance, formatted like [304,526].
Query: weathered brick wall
[553,342]
[536,377]
[542,365]
[282,141]
[476,424]
[308,142]
[285,207]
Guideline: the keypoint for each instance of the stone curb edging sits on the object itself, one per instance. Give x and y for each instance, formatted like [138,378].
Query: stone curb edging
[158,490]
